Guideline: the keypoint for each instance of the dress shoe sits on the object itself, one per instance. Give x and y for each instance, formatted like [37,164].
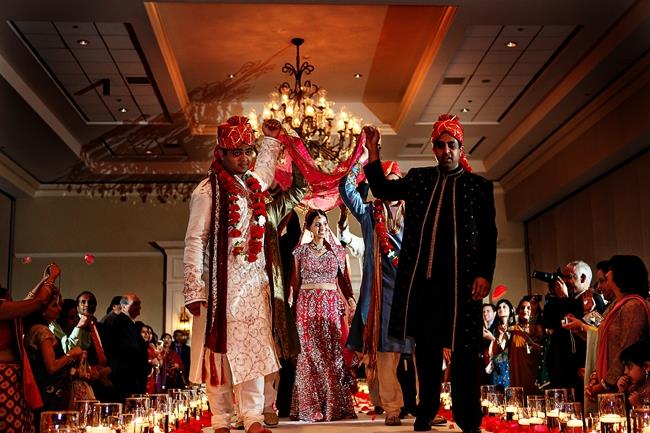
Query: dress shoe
[422,423]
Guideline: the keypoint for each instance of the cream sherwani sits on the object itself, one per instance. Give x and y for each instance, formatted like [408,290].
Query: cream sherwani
[250,347]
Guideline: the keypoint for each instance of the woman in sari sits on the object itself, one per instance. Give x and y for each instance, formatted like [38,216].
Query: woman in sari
[499,347]
[15,371]
[525,349]
[324,385]
[627,322]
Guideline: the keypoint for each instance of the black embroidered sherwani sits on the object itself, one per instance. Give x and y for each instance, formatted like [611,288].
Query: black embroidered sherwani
[449,240]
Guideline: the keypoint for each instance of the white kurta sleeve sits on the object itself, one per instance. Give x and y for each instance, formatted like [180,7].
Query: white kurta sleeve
[266,161]
[196,239]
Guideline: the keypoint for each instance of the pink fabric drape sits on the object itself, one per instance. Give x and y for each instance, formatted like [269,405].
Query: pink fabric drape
[324,193]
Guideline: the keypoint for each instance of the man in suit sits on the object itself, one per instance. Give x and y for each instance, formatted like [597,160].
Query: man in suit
[445,268]
[183,351]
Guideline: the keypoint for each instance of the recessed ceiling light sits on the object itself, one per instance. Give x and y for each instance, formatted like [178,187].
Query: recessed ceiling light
[83,42]
[464,110]
[511,44]
[148,152]
[123,110]
[357,75]
[231,76]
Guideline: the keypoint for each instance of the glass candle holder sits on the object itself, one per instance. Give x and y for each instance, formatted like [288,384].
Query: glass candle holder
[85,409]
[485,390]
[555,399]
[60,422]
[102,413]
[571,418]
[640,418]
[514,401]
[611,409]
[536,409]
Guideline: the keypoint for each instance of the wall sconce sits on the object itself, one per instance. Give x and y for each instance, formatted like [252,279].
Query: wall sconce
[184,319]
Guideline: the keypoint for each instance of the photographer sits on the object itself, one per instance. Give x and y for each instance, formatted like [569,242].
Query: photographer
[566,354]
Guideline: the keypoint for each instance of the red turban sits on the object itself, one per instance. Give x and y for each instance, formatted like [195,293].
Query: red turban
[450,124]
[236,132]
[391,167]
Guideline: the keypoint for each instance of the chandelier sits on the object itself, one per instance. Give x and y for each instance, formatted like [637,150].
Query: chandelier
[303,107]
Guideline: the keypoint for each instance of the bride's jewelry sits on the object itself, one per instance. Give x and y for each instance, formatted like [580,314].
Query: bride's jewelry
[315,247]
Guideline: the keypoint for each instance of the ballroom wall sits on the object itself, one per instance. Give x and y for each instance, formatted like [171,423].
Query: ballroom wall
[609,216]
[119,234]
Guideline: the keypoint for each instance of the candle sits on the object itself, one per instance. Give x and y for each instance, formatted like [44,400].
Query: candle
[524,421]
[610,417]
[646,429]
[99,429]
[535,420]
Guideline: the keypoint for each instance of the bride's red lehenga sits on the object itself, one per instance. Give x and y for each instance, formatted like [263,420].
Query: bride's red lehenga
[324,384]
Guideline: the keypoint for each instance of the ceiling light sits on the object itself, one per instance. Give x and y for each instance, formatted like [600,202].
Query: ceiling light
[357,75]
[123,110]
[148,152]
[511,44]
[464,110]
[330,137]
[83,42]
[231,76]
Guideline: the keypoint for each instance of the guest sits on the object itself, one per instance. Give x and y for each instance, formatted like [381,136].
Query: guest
[51,365]
[499,347]
[113,308]
[171,367]
[525,350]
[15,372]
[634,382]
[183,351]
[324,385]
[627,322]
[154,379]
[126,350]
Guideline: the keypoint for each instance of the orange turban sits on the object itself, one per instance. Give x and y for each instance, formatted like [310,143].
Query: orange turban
[450,124]
[236,132]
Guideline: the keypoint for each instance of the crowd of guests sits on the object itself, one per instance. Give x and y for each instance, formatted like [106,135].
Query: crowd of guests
[594,339]
[67,354]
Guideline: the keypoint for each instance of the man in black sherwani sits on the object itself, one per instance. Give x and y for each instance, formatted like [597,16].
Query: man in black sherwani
[445,268]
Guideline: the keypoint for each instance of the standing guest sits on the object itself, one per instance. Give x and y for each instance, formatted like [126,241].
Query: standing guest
[535,308]
[171,367]
[51,365]
[126,350]
[627,322]
[382,226]
[183,351]
[113,308]
[489,314]
[323,387]
[19,392]
[445,268]
[154,379]
[525,349]
[227,217]
[499,347]
[66,324]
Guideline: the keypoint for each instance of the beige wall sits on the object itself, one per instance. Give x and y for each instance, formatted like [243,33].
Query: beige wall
[61,229]
[611,216]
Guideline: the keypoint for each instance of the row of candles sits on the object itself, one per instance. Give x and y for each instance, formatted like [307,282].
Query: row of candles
[141,413]
[557,411]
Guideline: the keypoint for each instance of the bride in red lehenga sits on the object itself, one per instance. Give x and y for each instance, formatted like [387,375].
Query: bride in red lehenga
[324,384]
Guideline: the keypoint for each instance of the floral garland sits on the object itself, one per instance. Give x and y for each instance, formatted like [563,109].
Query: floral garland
[382,232]
[258,207]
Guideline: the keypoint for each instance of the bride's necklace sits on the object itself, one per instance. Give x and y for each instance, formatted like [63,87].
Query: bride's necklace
[316,247]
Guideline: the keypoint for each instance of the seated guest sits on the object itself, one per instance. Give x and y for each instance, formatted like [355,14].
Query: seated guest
[15,401]
[634,382]
[626,323]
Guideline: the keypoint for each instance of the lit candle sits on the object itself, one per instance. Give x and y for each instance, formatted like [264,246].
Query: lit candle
[535,420]
[309,111]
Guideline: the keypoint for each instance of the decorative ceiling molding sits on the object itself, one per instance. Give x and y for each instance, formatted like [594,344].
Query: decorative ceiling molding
[15,180]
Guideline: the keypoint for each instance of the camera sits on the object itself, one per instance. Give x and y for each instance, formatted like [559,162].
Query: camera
[565,321]
[547,277]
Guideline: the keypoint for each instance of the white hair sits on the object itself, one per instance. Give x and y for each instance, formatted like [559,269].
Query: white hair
[582,268]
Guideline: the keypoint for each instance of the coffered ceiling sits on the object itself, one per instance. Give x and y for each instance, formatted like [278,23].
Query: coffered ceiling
[132,91]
